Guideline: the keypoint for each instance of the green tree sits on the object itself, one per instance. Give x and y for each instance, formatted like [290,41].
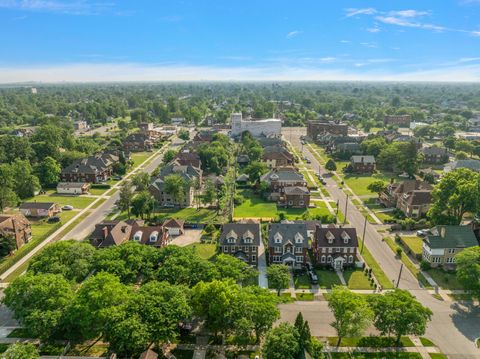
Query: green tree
[351,311]
[331,165]
[142,204]
[21,351]
[399,313]
[162,306]
[141,181]
[175,184]
[125,197]
[457,193]
[377,187]
[8,244]
[48,171]
[26,184]
[8,198]
[281,343]
[98,298]
[255,170]
[39,302]
[233,268]
[72,259]
[168,156]
[278,276]
[184,135]
[373,146]
[468,270]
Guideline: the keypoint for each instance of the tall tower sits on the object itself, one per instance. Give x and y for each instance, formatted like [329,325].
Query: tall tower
[236,123]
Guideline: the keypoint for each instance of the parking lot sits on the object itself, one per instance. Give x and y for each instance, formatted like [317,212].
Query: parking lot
[190,236]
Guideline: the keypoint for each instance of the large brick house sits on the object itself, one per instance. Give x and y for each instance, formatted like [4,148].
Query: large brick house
[183,158]
[413,197]
[241,240]
[362,164]
[189,174]
[18,226]
[335,246]
[434,154]
[138,142]
[397,120]
[277,156]
[114,233]
[296,197]
[288,244]
[93,169]
[282,177]
[321,127]
[444,242]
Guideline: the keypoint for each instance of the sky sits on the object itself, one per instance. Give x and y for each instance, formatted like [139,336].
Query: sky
[262,40]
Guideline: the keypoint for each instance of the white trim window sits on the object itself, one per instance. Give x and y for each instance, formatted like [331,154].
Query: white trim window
[323,259]
[299,259]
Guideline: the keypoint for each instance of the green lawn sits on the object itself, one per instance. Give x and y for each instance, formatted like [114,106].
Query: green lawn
[359,183]
[205,251]
[305,296]
[98,191]
[255,207]
[356,279]
[383,216]
[78,202]
[382,278]
[437,356]
[388,355]
[414,243]
[446,280]
[371,342]
[327,279]
[427,342]
[140,157]
[302,282]
[188,214]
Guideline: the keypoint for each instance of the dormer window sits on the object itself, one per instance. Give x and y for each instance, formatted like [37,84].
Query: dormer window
[248,237]
[231,237]
[154,236]
[138,236]
[345,237]
[298,238]
[277,238]
[330,237]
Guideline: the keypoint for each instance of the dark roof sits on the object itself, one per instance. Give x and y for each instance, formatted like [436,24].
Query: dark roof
[362,159]
[311,224]
[337,235]
[283,174]
[287,232]
[474,165]
[434,151]
[296,190]
[148,354]
[451,237]
[111,233]
[144,234]
[37,205]
[409,185]
[237,231]
[72,184]
[418,197]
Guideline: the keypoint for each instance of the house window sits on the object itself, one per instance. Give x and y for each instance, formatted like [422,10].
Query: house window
[276,258]
[290,203]
[298,249]
[254,258]
[278,250]
[301,203]
[225,249]
[299,259]
[323,259]
[324,250]
[345,250]
[350,259]
[450,260]
[451,250]
[329,250]
[329,259]
[337,250]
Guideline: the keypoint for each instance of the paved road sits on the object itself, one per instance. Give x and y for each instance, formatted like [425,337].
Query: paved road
[83,229]
[454,326]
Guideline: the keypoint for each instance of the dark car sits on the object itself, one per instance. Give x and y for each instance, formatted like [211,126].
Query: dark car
[54,219]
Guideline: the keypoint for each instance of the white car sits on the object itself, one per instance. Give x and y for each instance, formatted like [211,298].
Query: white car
[67,207]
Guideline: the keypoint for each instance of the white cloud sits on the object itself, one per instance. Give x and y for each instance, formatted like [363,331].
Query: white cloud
[370,45]
[373,29]
[469,59]
[475,33]
[72,7]
[365,11]
[409,13]
[400,21]
[293,34]
[345,41]
[140,72]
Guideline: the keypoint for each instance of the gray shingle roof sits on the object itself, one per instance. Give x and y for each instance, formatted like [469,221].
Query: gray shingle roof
[238,230]
[451,237]
[287,232]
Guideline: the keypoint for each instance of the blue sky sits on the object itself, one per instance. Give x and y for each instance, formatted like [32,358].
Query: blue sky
[90,40]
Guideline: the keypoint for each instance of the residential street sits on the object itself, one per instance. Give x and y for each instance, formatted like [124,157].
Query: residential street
[453,327]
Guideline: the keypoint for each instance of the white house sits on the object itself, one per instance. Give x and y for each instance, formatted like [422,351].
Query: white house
[257,127]
[73,187]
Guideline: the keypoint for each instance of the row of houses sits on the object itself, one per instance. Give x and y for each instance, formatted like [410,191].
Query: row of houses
[289,243]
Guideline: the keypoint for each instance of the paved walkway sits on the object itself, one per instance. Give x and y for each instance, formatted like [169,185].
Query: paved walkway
[262,265]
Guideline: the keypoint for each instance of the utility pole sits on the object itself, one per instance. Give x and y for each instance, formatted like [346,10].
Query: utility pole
[346,209]
[399,276]
[363,237]
[336,214]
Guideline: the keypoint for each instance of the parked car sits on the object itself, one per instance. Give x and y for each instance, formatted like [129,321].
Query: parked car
[313,277]
[54,219]
[67,207]
[423,232]
[117,178]
[307,160]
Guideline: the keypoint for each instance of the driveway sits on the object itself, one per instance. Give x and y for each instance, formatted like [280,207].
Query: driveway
[190,236]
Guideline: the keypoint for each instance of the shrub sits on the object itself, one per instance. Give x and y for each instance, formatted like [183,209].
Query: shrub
[399,251]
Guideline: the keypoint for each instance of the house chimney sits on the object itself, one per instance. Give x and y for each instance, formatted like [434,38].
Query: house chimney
[105,232]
